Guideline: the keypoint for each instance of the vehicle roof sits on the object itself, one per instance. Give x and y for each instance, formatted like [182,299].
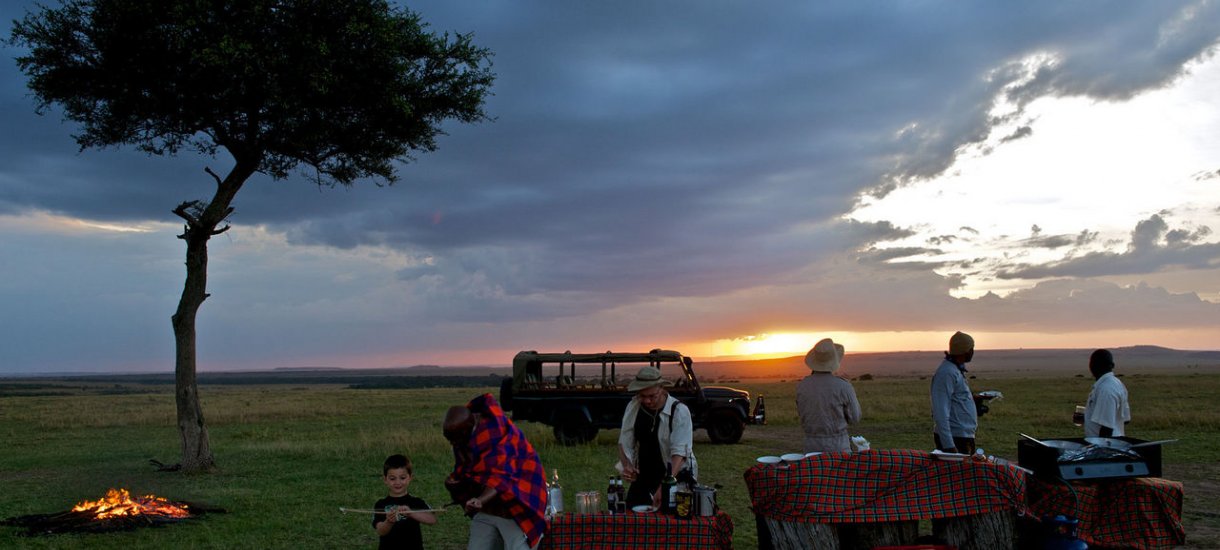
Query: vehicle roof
[523,360]
[609,356]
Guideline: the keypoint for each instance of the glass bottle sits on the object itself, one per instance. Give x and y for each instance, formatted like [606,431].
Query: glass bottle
[669,494]
[622,494]
[612,497]
[554,493]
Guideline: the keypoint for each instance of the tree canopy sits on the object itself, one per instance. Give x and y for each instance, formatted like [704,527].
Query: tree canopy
[344,87]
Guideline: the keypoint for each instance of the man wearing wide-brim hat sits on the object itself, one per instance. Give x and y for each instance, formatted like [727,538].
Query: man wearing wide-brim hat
[825,402]
[655,439]
[954,414]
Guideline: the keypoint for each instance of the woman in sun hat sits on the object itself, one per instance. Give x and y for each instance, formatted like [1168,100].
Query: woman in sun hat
[655,439]
[825,402]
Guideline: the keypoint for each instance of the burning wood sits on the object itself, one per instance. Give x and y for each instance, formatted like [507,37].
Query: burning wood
[118,510]
[118,502]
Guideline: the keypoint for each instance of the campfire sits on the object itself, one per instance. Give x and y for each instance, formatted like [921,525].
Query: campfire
[118,503]
[118,510]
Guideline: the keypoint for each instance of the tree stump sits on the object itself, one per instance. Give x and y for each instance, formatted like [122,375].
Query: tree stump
[865,536]
[792,535]
[992,531]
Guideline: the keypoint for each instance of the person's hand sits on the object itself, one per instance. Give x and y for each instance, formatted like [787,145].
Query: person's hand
[656,499]
[629,473]
[474,505]
[392,515]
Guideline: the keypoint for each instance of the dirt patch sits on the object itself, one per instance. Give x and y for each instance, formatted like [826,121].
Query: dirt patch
[1201,506]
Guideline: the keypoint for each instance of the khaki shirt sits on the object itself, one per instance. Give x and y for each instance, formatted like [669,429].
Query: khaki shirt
[826,405]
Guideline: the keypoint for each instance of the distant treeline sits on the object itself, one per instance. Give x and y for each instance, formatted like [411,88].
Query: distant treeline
[400,382]
[149,383]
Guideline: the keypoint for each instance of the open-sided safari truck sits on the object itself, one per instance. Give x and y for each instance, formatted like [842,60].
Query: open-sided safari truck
[578,394]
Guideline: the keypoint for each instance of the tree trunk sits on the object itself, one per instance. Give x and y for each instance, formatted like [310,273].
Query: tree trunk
[795,535]
[872,535]
[201,223]
[991,531]
[196,451]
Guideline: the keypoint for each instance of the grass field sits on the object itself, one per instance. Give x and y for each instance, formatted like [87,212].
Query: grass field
[290,456]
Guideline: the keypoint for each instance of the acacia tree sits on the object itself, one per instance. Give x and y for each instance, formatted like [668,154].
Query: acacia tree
[339,89]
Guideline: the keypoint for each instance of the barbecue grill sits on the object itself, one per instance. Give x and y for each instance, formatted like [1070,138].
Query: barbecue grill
[1090,458]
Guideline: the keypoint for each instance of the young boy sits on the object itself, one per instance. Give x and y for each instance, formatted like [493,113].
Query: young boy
[398,526]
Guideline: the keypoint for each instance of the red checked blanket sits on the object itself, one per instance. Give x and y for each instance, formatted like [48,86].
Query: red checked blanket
[882,485]
[1142,512]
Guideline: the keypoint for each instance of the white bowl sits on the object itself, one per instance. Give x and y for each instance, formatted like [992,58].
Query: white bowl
[643,509]
[792,457]
[814,453]
[770,460]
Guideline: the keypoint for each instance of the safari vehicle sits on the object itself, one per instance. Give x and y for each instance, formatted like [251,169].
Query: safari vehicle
[577,402]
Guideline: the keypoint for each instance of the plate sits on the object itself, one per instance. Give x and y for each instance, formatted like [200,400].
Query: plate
[814,453]
[643,509]
[769,460]
[948,457]
[792,457]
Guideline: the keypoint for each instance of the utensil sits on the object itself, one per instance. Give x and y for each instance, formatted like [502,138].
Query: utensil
[1151,443]
[1034,439]
[1064,445]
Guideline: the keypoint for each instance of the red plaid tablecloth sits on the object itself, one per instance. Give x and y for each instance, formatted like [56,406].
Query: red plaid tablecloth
[633,531]
[1141,512]
[882,485]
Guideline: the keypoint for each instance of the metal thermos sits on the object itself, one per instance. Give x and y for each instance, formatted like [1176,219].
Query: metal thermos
[705,500]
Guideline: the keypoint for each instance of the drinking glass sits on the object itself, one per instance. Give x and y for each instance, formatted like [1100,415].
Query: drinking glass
[1078,416]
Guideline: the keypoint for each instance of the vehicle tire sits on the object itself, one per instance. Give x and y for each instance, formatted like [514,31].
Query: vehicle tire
[724,427]
[575,431]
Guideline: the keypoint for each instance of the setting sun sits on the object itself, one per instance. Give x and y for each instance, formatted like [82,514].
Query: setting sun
[766,345]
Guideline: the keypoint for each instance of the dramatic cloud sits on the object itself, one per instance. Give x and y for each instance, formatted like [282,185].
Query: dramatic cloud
[1153,247]
[653,168]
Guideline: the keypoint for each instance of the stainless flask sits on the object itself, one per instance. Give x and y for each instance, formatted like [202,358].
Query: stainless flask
[705,500]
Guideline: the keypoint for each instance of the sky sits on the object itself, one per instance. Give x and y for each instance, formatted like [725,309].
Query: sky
[720,178]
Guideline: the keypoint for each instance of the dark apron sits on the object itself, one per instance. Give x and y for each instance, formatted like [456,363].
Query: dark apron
[651,466]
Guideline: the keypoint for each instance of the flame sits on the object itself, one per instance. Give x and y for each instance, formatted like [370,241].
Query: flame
[118,502]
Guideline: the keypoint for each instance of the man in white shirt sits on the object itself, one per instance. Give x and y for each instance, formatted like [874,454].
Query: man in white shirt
[1107,412]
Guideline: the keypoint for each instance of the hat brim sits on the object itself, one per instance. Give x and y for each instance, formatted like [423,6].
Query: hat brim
[637,385]
[831,365]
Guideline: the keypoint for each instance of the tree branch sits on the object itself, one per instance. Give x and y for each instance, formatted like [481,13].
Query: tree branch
[208,169]
[181,212]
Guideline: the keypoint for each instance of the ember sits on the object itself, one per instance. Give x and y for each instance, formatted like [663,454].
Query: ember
[118,502]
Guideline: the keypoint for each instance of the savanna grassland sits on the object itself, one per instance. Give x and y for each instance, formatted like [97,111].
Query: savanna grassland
[290,456]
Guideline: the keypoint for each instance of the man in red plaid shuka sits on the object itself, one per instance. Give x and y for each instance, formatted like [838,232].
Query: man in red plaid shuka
[496,476]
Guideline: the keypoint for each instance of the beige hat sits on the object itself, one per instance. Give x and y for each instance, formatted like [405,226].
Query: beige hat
[825,356]
[960,343]
[648,377]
